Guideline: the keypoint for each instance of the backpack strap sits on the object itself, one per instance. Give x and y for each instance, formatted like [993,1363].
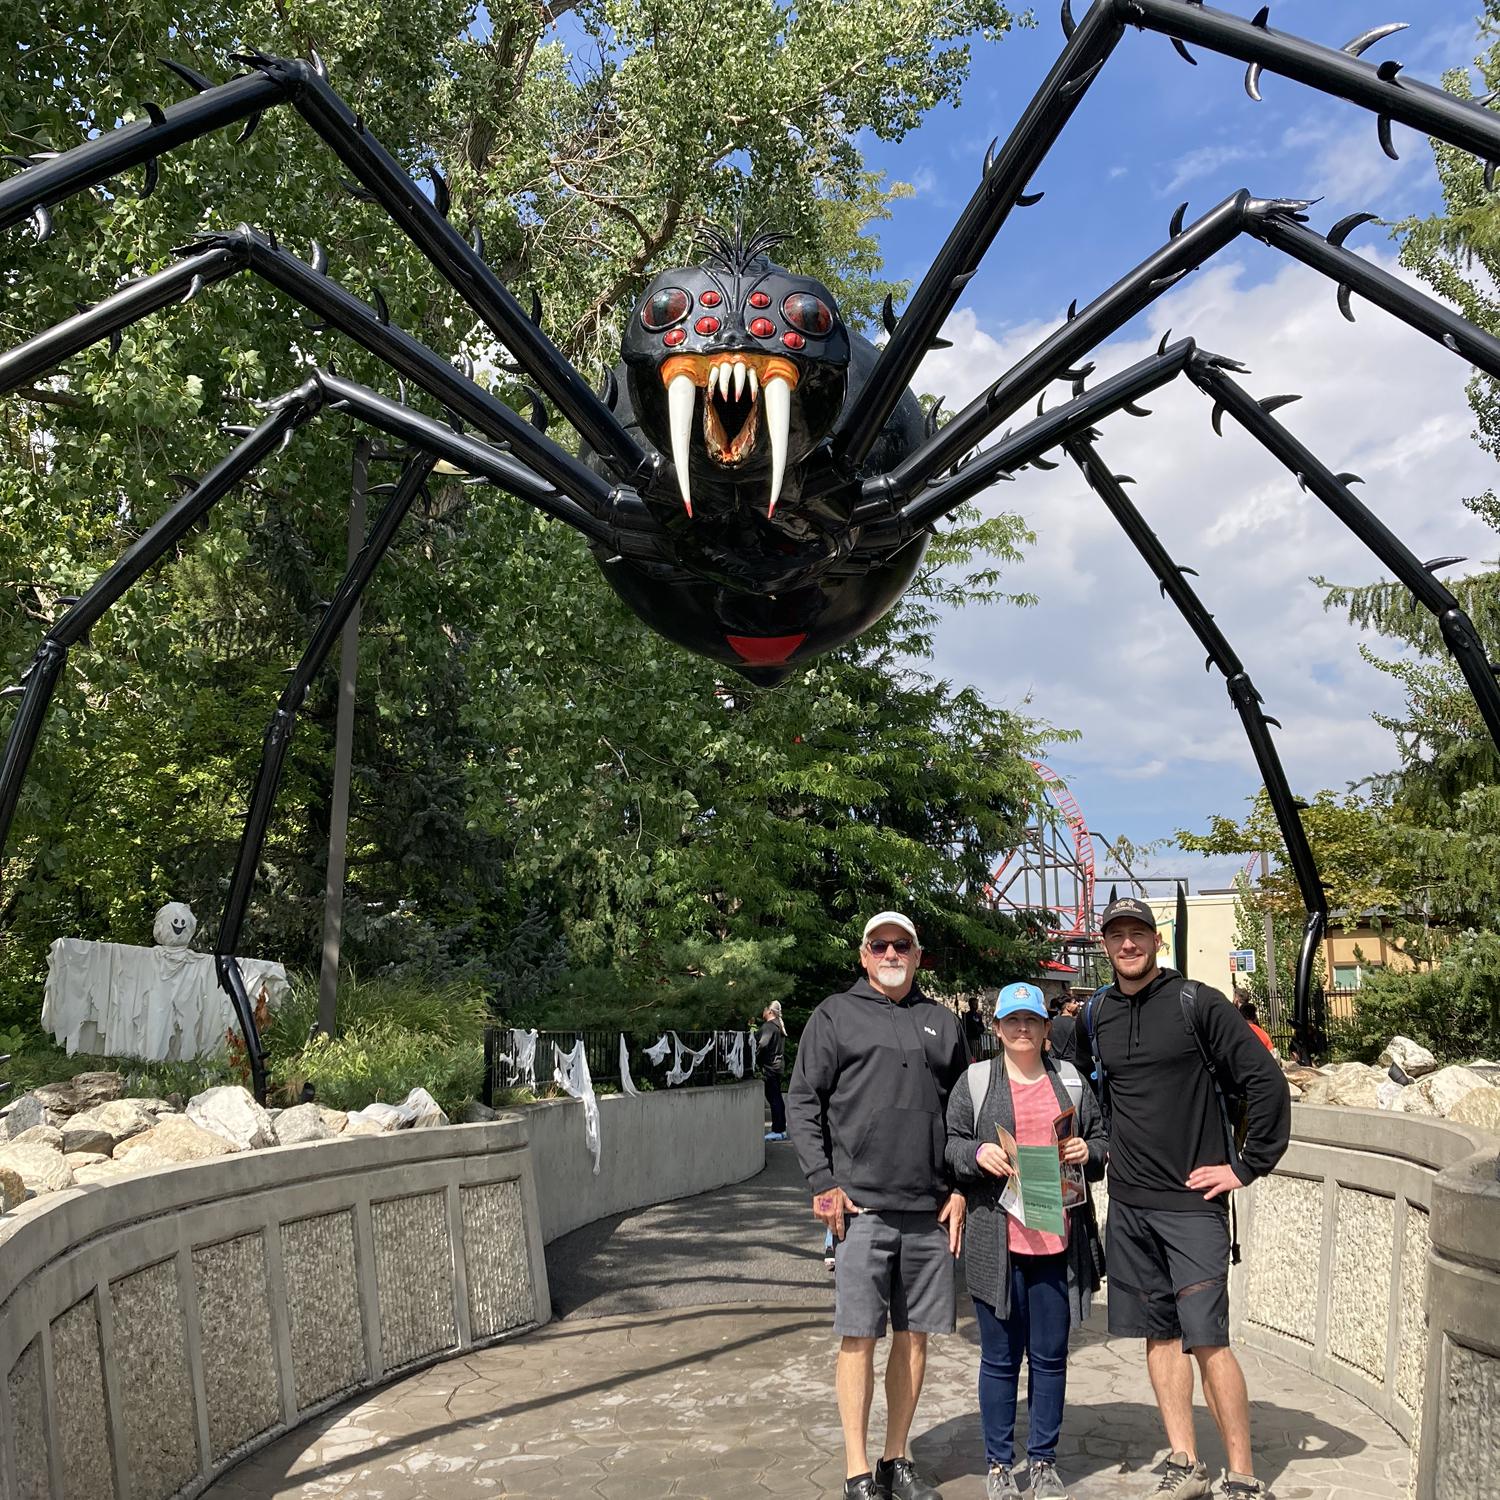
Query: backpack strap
[1194,1023]
[1090,1025]
[1072,1081]
[978,1075]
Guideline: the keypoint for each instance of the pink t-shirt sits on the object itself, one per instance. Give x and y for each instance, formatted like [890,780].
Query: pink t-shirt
[1036,1108]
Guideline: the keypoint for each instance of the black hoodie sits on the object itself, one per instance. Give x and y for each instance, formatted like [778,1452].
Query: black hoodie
[869,1093]
[1164,1117]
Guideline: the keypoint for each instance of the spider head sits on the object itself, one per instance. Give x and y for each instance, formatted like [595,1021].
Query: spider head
[737,366]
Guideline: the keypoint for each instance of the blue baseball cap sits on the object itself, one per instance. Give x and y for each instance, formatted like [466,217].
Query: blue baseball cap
[1021,999]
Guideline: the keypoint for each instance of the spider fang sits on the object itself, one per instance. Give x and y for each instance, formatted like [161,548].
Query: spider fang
[735,388]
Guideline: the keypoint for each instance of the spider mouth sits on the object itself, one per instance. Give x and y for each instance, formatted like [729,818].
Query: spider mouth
[737,390]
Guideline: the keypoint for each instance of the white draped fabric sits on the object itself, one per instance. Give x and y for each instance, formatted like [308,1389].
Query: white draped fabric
[732,1044]
[657,1051]
[156,1003]
[522,1059]
[571,1070]
[627,1083]
[680,1074]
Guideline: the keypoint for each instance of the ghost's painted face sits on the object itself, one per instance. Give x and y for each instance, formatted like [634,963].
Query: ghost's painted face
[175,925]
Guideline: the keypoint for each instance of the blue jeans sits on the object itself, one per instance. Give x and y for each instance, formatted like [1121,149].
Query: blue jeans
[1038,1329]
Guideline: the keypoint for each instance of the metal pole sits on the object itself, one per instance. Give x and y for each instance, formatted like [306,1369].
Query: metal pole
[1273,995]
[343,754]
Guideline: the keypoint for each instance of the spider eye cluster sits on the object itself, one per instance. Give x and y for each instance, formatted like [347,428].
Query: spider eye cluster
[803,315]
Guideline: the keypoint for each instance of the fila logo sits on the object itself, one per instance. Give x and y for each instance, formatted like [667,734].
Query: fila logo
[929,1031]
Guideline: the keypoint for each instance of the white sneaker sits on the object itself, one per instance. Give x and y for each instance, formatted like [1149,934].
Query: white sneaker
[1183,1479]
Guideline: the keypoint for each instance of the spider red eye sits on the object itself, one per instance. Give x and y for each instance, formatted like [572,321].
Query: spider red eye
[760,299]
[762,328]
[810,314]
[674,336]
[707,325]
[669,305]
[792,339]
[709,299]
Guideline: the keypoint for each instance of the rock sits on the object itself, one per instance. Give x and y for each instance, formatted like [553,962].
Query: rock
[334,1119]
[39,1135]
[1448,1085]
[1357,1086]
[76,1159]
[231,1113]
[1411,1057]
[1413,1101]
[300,1124]
[61,1098]
[1299,1074]
[81,1134]
[106,1171]
[1388,1092]
[1479,1107]
[94,1089]
[1489,1071]
[476,1113]
[423,1110]
[1293,1090]
[41,1168]
[118,1121]
[357,1127]
[26,1113]
[175,1139]
[12,1189]
[155,1107]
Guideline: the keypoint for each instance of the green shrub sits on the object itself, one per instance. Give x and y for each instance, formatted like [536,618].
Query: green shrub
[453,1010]
[1453,1009]
[379,1060]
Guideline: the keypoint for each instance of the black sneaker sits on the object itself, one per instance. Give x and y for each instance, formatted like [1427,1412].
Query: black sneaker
[861,1488]
[897,1479]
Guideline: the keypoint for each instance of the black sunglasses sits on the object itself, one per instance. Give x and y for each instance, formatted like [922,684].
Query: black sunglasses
[877,946]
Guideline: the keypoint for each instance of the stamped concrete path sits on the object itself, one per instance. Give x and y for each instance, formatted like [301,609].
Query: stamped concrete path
[691,1355]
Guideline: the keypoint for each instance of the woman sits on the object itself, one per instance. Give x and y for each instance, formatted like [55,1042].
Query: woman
[770,1048]
[1030,1286]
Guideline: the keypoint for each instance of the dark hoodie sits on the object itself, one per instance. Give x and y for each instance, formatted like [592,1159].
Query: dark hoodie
[868,1097]
[1164,1117]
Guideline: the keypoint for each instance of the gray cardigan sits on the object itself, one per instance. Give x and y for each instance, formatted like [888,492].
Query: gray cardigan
[986,1251]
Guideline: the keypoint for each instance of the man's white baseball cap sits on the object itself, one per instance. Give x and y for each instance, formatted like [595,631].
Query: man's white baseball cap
[889,919]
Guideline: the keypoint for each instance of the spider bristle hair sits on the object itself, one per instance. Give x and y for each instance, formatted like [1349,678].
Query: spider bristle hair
[735,253]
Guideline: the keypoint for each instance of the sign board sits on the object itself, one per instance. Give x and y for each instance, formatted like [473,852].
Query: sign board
[1242,961]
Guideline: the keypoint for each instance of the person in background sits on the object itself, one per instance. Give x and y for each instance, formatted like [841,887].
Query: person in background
[1069,1042]
[973,1022]
[770,1048]
[1252,1020]
[1029,1286]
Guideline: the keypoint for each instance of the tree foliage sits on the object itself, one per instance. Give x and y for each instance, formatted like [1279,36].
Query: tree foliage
[543,790]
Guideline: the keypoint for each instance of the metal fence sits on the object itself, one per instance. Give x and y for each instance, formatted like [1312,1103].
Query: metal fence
[601,1048]
[1333,1014]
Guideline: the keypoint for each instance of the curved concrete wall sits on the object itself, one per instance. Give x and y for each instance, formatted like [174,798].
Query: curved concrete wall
[155,1329]
[1342,1250]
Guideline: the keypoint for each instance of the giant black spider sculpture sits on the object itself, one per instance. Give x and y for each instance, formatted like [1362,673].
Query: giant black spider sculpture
[758,483]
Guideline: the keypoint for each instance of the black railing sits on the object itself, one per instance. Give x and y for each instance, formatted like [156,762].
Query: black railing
[601,1049]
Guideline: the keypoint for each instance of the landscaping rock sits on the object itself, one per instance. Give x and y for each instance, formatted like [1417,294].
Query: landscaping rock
[94,1089]
[358,1127]
[82,1134]
[1479,1107]
[156,1107]
[39,1135]
[476,1113]
[175,1139]
[1448,1085]
[41,1168]
[1411,1057]
[12,1190]
[1357,1087]
[231,1113]
[334,1119]
[76,1159]
[61,1098]
[1293,1090]
[1413,1101]
[1388,1092]
[26,1113]
[119,1120]
[107,1171]
[301,1124]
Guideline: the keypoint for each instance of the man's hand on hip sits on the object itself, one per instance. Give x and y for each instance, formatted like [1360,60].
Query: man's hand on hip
[1211,1181]
[952,1214]
[832,1208]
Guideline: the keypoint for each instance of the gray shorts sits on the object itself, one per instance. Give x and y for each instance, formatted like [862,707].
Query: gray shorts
[896,1263]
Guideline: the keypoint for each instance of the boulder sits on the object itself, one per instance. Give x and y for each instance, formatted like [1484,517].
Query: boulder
[1292,1089]
[76,1159]
[1388,1092]
[94,1089]
[358,1127]
[1411,1057]
[1357,1086]
[231,1113]
[39,1135]
[81,1134]
[118,1121]
[476,1113]
[26,1113]
[334,1119]
[175,1139]
[1448,1085]
[1413,1101]
[1480,1107]
[301,1124]
[423,1110]
[106,1171]
[12,1189]
[61,1098]
[155,1107]
[41,1168]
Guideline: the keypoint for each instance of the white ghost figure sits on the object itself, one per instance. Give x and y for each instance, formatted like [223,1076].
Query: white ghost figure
[175,925]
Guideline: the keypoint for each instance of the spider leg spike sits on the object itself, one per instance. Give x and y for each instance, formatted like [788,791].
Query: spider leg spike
[190,76]
[1077,85]
[319,260]
[1025,200]
[1269,404]
[318,65]
[1181,50]
[536,307]
[441,198]
[1383,130]
[1348,478]
[1131,409]
[888,314]
[153,176]
[1218,418]
[1072,309]
[932,416]
[41,216]
[1042,463]
[248,129]
[382,311]
[538,410]
[1367,39]
[989,157]
[1345,226]
[1161,348]
[1252,73]
[1442,562]
[1081,373]
[1069,25]
[1175,227]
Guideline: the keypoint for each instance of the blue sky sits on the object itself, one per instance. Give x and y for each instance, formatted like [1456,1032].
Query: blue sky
[1161,749]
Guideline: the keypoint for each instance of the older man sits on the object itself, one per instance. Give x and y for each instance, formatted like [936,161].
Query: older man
[866,1113]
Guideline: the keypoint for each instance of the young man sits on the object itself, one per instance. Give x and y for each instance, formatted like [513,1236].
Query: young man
[1167,1241]
[866,1110]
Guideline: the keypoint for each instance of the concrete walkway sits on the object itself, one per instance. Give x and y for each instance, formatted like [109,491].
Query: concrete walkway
[692,1356]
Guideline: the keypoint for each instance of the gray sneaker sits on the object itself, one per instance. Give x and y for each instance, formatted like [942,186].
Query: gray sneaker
[1045,1485]
[1000,1484]
[1234,1486]
[1183,1479]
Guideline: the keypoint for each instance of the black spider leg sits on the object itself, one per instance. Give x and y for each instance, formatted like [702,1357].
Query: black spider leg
[278,738]
[886,527]
[1458,631]
[1003,187]
[422,219]
[1332,70]
[1057,355]
[1354,273]
[1247,702]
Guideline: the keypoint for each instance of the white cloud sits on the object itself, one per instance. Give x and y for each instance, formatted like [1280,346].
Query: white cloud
[1105,654]
[1204,161]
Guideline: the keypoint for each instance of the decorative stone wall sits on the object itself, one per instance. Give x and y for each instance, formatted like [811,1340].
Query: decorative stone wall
[1359,1323]
[155,1328]
[1282,1281]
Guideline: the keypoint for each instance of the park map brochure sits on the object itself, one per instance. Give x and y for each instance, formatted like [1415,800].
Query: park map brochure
[1033,1192]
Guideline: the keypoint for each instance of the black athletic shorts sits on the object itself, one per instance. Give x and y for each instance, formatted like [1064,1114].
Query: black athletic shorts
[1168,1274]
